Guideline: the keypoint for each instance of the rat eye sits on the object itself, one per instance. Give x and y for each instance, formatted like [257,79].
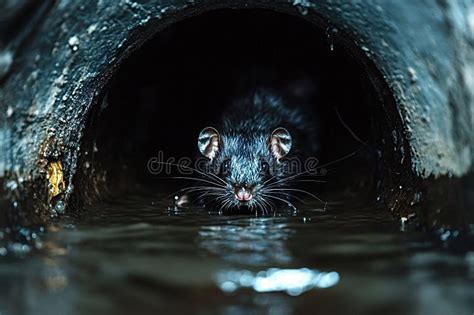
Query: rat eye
[265,167]
[225,169]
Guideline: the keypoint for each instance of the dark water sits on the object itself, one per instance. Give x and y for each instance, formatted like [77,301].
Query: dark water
[138,255]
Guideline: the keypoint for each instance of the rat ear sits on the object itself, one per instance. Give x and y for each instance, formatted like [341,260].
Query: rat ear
[280,142]
[209,142]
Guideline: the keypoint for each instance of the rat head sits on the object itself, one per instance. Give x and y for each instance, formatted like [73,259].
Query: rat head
[246,161]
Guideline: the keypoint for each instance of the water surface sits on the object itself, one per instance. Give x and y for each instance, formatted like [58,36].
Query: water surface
[138,254]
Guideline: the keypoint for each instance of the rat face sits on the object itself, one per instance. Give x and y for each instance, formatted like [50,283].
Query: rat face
[245,163]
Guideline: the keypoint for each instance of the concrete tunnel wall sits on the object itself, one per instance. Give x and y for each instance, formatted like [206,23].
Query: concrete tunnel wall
[53,72]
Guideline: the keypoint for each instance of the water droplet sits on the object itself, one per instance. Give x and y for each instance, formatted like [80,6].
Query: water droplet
[91,29]
[74,43]
[6,60]
[133,4]
[445,236]
[331,32]
[10,111]
[366,50]
[19,248]
[413,75]
[303,6]
[416,198]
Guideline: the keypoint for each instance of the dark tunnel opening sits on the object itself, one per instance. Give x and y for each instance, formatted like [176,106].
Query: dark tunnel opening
[179,81]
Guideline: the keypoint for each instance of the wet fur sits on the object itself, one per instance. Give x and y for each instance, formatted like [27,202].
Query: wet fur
[244,130]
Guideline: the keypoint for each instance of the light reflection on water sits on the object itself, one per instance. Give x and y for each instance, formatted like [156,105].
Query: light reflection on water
[292,281]
[256,241]
[135,256]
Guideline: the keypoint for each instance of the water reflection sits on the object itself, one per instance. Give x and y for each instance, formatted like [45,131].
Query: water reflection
[292,281]
[134,256]
[254,241]
[259,242]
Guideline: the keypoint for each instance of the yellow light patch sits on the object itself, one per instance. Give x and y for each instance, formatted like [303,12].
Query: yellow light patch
[56,179]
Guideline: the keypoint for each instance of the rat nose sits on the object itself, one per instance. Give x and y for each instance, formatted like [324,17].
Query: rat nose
[243,194]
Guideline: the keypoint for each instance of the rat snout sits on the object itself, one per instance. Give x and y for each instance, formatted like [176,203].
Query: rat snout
[243,194]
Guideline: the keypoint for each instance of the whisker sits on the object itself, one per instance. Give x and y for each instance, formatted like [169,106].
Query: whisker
[263,201]
[210,175]
[340,159]
[280,199]
[212,194]
[265,182]
[287,179]
[267,207]
[297,190]
[207,194]
[229,204]
[223,206]
[258,205]
[197,179]
[310,180]
[222,198]
[193,189]
[290,178]
[353,134]
[290,195]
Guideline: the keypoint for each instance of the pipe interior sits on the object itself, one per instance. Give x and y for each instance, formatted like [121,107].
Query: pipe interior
[179,81]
